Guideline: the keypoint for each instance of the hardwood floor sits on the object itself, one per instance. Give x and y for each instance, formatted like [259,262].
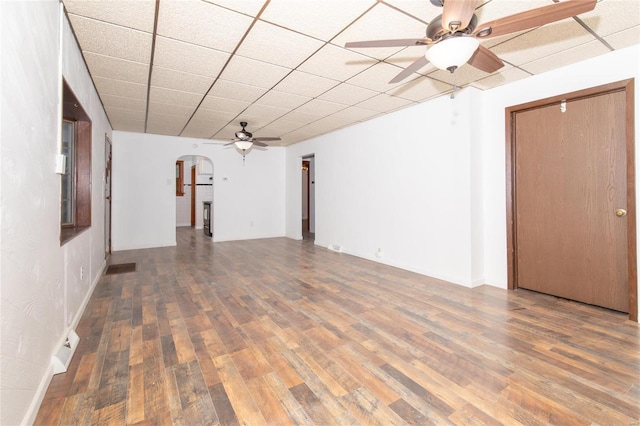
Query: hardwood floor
[282,332]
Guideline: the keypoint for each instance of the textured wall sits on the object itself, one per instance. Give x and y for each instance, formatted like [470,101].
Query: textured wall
[401,183]
[41,294]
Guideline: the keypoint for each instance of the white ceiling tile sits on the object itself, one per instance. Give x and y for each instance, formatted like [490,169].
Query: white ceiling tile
[304,84]
[275,45]
[170,110]
[176,80]
[138,14]
[382,22]
[175,97]
[112,40]
[164,125]
[127,113]
[265,113]
[385,103]
[348,94]
[195,38]
[354,114]
[543,41]
[378,76]
[237,91]
[216,103]
[322,19]
[204,116]
[248,7]
[196,132]
[505,76]
[123,102]
[300,117]
[576,54]
[624,38]
[128,126]
[613,16]
[327,124]
[110,86]
[203,128]
[202,23]
[117,69]
[297,135]
[189,58]
[422,10]
[336,63]
[254,73]
[282,100]
[420,89]
[280,127]
[320,107]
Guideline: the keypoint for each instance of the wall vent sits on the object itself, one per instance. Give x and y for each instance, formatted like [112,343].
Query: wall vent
[63,357]
[336,248]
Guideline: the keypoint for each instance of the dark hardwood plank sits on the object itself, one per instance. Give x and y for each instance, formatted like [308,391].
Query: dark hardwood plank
[197,335]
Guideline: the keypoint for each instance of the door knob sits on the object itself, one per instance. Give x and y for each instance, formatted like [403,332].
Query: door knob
[621,212]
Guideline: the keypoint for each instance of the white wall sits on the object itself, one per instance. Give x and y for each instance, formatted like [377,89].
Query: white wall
[248,199]
[427,184]
[42,294]
[401,184]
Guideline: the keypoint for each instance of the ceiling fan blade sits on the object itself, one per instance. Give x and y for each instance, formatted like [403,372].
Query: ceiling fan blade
[457,14]
[403,42]
[265,139]
[485,60]
[227,144]
[534,18]
[419,63]
[258,143]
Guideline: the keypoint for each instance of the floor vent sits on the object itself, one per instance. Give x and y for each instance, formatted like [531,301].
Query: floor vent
[62,358]
[120,268]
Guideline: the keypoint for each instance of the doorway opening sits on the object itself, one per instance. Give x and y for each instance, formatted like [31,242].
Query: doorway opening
[308,198]
[194,193]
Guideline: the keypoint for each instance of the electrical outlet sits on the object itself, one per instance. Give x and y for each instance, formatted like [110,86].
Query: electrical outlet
[82,273]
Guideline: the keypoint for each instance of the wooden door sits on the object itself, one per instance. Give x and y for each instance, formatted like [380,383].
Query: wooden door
[570,180]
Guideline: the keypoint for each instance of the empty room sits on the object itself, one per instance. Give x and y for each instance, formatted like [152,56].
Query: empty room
[319,212]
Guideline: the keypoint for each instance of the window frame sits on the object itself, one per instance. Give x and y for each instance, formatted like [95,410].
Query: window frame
[81,167]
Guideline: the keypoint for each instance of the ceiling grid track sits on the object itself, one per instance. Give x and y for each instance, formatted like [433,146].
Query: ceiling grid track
[299,69]
[153,51]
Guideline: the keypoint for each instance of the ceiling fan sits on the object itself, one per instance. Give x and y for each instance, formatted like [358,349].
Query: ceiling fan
[245,140]
[454,37]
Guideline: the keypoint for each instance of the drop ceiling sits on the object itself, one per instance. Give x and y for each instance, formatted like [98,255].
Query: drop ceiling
[196,68]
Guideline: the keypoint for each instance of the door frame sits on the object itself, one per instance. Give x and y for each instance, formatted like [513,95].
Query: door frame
[628,87]
[192,206]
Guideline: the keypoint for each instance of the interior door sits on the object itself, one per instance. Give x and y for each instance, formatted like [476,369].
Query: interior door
[571,200]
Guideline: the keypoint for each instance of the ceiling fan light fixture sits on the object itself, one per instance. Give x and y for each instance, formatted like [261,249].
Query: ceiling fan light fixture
[243,145]
[452,52]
